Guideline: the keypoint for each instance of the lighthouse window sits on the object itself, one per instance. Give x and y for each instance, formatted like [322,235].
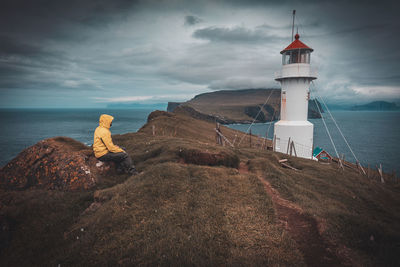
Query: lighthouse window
[305,57]
[286,58]
[291,57]
[294,57]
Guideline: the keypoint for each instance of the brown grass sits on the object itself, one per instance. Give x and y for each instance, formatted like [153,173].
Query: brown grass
[354,208]
[176,214]
[179,213]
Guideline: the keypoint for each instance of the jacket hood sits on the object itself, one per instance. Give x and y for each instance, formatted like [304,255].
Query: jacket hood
[105,121]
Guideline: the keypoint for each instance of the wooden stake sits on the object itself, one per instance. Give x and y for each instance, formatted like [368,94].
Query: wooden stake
[288,144]
[234,140]
[288,166]
[340,162]
[274,143]
[360,168]
[294,149]
[153,127]
[380,173]
[250,138]
[218,135]
[224,139]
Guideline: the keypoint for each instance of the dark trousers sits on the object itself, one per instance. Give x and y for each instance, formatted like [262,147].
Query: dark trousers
[122,159]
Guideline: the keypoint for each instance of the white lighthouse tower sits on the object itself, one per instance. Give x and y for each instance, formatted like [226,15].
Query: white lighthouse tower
[293,132]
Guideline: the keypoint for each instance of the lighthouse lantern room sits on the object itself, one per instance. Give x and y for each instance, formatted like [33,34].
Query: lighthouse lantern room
[293,132]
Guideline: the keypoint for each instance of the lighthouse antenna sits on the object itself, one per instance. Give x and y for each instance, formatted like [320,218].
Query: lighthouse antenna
[294,14]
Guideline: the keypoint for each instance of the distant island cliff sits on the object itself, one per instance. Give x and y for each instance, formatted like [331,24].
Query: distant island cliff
[377,105]
[238,106]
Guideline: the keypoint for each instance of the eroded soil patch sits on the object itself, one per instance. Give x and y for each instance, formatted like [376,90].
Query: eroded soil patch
[301,227]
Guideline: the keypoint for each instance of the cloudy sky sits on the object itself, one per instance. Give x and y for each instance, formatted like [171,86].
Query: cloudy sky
[88,53]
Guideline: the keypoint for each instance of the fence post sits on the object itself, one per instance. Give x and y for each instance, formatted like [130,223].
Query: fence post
[250,138]
[340,163]
[274,143]
[381,173]
[288,144]
[360,168]
[294,149]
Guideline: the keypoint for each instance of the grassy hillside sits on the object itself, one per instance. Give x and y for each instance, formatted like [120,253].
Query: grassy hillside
[198,203]
[231,104]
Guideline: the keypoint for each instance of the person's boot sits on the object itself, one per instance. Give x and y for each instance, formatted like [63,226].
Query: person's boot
[120,170]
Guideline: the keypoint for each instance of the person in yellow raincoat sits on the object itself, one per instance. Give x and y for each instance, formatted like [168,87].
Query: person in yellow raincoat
[105,150]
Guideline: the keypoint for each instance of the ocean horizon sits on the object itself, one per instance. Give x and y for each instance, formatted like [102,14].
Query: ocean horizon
[373,135]
[23,128]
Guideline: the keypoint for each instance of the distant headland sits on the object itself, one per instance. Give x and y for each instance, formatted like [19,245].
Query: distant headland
[377,105]
[238,106]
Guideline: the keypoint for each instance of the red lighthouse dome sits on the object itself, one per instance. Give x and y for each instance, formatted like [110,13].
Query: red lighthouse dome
[296,52]
[297,44]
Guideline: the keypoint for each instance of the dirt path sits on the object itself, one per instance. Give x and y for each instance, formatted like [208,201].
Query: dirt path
[301,227]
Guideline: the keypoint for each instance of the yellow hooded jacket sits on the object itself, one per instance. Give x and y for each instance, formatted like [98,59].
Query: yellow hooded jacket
[103,143]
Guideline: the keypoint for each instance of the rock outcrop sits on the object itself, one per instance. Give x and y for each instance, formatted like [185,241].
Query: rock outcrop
[57,163]
[173,105]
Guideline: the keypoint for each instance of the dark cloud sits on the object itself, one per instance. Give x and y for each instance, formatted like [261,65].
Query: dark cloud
[34,36]
[233,35]
[121,47]
[50,14]
[192,20]
[18,48]
[367,29]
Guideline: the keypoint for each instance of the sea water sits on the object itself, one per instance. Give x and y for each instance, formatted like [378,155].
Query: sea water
[21,128]
[372,135]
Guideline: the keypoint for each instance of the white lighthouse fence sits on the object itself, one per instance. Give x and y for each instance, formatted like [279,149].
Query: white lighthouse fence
[285,145]
[296,70]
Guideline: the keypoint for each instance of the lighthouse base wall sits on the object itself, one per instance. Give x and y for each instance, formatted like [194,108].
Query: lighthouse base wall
[298,132]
